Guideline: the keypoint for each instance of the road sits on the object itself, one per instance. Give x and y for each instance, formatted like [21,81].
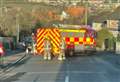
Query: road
[102,67]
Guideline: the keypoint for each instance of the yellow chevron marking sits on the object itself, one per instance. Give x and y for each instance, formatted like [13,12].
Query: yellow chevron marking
[57,33]
[54,40]
[54,44]
[41,36]
[40,41]
[40,32]
[55,37]
[56,51]
[41,50]
[41,46]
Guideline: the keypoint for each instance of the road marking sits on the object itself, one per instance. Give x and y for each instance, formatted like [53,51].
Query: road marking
[76,72]
[67,78]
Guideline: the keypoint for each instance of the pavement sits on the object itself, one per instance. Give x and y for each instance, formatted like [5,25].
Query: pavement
[94,68]
[11,57]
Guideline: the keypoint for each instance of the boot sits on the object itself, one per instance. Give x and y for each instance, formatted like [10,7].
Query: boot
[45,56]
[60,57]
[63,55]
[49,56]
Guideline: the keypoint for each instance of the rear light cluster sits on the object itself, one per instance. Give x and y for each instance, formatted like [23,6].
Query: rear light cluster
[1,50]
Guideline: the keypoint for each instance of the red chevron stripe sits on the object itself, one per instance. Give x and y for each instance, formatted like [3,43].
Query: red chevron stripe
[39,48]
[56,32]
[41,45]
[55,40]
[40,40]
[40,33]
[42,36]
[55,36]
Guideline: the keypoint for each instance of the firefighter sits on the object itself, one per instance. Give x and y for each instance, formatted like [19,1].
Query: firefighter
[62,51]
[47,49]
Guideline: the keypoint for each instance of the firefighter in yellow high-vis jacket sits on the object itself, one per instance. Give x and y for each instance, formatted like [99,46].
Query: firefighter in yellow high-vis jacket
[47,49]
[62,50]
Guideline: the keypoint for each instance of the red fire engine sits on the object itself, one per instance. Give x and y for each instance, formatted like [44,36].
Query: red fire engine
[76,40]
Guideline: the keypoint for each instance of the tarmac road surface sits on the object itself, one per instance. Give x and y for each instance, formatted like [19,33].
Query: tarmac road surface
[102,67]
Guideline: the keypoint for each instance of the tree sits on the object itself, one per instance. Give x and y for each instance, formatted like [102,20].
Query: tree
[38,24]
[102,35]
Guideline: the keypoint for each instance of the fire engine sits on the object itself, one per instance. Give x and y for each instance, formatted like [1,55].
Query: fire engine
[76,40]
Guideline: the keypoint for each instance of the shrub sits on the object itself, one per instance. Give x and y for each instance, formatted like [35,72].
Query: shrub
[102,35]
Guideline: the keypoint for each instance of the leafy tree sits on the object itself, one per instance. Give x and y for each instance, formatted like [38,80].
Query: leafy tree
[102,35]
[38,24]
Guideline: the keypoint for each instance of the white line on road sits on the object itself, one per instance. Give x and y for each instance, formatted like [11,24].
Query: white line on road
[76,72]
[67,78]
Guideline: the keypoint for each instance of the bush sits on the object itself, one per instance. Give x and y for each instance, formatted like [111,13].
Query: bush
[102,35]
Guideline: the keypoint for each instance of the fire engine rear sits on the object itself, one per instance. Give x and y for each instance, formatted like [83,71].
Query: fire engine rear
[76,40]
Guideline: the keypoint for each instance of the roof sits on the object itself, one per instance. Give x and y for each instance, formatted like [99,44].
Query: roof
[75,11]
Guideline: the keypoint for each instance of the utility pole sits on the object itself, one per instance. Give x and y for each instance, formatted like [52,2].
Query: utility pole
[86,13]
[17,24]
[110,2]
[17,27]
